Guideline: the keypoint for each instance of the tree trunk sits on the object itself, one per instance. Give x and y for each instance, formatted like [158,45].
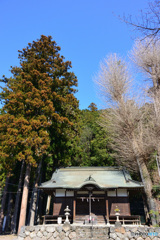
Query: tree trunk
[17,202]
[39,209]
[33,203]
[3,203]
[10,203]
[37,216]
[24,198]
[148,189]
[145,208]
[146,179]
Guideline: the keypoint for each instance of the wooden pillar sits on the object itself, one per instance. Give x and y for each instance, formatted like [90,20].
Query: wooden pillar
[90,207]
[107,211]
[116,196]
[48,204]
[74,209]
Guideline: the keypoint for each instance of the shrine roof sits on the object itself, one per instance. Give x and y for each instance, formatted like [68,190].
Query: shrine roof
[101,177]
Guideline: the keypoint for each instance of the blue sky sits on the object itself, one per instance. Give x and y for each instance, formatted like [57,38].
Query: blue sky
[86,31]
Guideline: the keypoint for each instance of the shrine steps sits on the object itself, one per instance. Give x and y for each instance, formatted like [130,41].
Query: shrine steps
[80,219]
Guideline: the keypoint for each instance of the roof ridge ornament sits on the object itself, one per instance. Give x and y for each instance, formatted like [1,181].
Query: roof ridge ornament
[90,179]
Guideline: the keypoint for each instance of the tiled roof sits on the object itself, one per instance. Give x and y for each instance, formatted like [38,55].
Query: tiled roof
[101,177]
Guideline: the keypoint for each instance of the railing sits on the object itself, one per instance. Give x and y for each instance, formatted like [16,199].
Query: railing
[135,219]
[53,218]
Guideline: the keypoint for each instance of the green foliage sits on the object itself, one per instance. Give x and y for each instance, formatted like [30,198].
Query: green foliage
[93,145]
[156,215]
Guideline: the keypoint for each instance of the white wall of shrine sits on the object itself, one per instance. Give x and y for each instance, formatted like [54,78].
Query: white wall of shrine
[110,193]
[120,193]
[69,193]
[63,193]
[60,192]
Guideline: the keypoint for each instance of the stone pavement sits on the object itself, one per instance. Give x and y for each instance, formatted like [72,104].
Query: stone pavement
[8,237]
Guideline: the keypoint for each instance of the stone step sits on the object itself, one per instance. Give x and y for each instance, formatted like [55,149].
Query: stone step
[81,218]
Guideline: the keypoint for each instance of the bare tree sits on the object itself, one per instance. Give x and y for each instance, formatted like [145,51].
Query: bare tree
[125,121]
[148,23]
[147,58]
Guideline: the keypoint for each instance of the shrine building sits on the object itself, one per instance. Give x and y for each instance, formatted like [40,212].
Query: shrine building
[91,192]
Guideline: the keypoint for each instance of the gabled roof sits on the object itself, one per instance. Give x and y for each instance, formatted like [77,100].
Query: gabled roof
[101,177]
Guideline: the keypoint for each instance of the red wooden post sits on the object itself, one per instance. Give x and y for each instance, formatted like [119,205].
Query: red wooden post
[74,209]
[107,211]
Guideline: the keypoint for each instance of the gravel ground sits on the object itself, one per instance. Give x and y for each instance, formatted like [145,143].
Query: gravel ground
[8,237]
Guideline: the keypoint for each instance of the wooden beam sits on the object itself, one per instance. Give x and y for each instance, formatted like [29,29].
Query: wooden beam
[107,211]
[74,210]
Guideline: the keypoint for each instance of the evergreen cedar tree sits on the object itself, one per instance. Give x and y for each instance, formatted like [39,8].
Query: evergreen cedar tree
[38,102]
[92,107]
[39,96]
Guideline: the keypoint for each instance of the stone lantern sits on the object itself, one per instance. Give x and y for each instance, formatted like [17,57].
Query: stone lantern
[117,213]
[67,213]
